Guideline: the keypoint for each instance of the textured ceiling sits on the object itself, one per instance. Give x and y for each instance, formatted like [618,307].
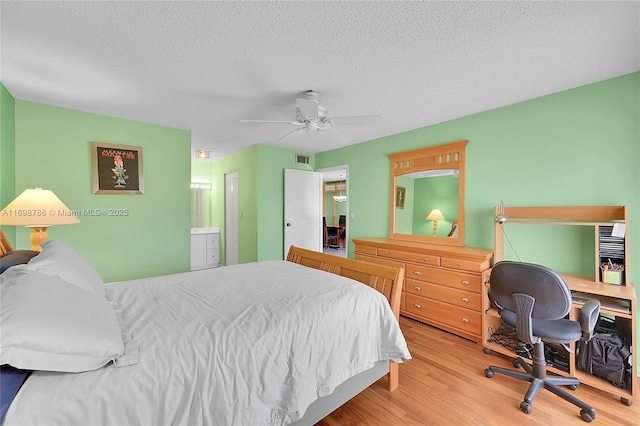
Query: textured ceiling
[203,66]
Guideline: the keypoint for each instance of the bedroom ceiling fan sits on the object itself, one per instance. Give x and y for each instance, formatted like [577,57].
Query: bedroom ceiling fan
[312,117]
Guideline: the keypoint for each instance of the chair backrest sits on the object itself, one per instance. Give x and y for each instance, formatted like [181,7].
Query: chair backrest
[342,220]
[325,233]
[551,292]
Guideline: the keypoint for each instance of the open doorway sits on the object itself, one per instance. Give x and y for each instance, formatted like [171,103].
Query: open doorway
[335,210]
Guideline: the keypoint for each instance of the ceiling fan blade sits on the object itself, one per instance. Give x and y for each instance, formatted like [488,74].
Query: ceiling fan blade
[337,136]
[356,120]
[308,107]
[270,121]
[289,134]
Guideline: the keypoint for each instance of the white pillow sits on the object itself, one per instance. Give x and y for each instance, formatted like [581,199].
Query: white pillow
[50,324]
[59,259]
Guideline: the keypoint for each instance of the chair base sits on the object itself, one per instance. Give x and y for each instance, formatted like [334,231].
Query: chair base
[536,375]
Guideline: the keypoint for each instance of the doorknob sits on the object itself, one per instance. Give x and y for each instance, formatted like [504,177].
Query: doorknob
[288,224]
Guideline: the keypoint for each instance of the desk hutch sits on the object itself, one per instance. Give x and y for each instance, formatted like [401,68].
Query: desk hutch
[617,301]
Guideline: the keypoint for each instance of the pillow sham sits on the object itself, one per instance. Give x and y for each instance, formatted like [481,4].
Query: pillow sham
[61,260]
[16,257]
[50,324]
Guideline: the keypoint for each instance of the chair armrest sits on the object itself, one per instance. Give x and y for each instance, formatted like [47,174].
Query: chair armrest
[589,315]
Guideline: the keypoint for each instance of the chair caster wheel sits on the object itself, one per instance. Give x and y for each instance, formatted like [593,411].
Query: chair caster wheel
[573,387]
[587,416]
[487,351]
[516,363]
[526,407]
[488,372]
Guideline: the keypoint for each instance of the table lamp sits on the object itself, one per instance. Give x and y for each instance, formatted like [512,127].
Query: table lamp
[435,216]
[37,209]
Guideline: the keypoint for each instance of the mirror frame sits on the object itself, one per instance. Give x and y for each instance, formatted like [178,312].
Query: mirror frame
[446,156]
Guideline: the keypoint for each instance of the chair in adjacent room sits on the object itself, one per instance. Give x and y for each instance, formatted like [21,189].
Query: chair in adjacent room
[342,232]
[329,238]
[535,301]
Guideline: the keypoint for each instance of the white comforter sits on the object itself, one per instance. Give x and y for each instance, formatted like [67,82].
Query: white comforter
[250,344]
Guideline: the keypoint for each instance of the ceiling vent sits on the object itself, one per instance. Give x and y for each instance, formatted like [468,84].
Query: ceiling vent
[302,159]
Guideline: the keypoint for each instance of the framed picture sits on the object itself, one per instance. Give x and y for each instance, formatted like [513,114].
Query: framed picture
[400,193]
[117,169]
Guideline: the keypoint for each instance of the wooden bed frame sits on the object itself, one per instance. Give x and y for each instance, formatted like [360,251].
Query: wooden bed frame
[5,245]
[387,280]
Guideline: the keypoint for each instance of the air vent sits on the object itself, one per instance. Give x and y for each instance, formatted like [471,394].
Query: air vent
[302,159]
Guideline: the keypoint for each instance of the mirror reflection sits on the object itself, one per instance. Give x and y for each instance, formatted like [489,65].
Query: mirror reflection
[427,194]
[430,204]
[200,205]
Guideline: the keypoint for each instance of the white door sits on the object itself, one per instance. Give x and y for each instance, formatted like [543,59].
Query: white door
[231,218]
[302,210]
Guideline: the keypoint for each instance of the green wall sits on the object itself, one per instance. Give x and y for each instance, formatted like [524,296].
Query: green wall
[261,199]
[7,154]
[52,150]
[578,147]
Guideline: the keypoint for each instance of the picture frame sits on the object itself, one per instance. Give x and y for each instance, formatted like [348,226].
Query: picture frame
[117,169]
[400,195]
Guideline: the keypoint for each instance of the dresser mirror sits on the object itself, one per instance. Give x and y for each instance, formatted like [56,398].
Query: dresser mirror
[427,194]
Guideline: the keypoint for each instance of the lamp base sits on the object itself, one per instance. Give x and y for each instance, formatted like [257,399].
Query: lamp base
[435,228]
[38,236]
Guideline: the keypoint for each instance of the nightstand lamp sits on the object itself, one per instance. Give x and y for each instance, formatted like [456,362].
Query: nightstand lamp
[37,209]
[435,216]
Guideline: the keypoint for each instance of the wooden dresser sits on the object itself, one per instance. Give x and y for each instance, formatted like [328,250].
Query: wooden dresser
[443,284]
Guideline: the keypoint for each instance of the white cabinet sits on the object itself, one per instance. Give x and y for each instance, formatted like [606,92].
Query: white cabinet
[205,248]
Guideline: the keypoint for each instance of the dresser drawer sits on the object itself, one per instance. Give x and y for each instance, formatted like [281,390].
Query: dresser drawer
[462,298]
[410,257]
[461,280]
[463,265]
[379,261]
[454,316]
[366,250]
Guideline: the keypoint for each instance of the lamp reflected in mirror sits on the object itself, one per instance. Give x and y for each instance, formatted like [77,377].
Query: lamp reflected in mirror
[435,216]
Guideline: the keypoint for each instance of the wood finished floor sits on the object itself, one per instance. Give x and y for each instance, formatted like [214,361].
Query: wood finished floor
[444,384]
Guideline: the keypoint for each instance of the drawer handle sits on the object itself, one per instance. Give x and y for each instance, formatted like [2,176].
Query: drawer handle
[465,299]
[418,273]
[460,265]
[426,259]
[466,320]
[386,253]
[417,306]
[415,287]
[465,282]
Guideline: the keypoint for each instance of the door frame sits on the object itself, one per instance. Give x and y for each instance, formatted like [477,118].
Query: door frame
[344,167]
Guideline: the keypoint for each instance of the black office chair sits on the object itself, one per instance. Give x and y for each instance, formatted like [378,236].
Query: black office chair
[535,300]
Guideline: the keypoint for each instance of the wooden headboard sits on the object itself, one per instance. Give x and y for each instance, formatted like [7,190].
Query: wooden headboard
[385,279]
[5,245]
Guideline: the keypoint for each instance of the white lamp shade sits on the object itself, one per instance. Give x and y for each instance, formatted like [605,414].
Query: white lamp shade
[37,208]
[435,214]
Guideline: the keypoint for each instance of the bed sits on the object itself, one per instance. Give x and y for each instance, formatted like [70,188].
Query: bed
[270,342]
